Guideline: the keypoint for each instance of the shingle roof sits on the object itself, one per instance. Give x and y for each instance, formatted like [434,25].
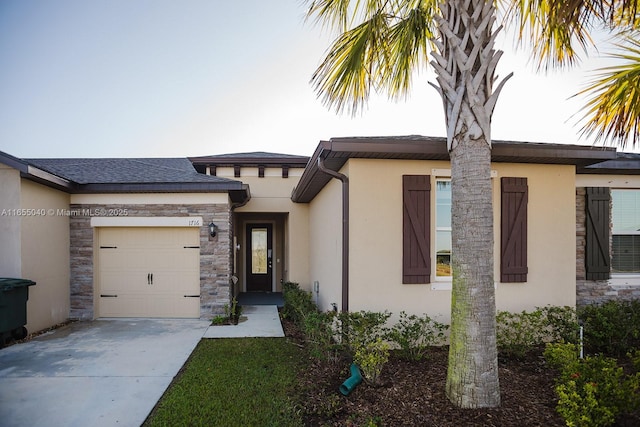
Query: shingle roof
[123,170]
[141,175]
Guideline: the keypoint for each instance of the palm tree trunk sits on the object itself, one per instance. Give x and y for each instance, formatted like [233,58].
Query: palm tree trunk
[465,65]
[472,375]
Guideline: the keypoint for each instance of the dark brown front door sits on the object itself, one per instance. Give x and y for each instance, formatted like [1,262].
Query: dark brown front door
[259,257]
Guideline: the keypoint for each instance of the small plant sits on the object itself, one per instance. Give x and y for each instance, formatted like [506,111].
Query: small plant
[234,312]
[362,327]
[297,303]
[371,358]
[561,324]
[612,328]
[592,391]
[519,333]
[236,309]
[319,332]
[218,320]
[414,335]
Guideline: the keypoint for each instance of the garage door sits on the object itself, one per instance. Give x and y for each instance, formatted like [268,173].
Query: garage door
[149,272]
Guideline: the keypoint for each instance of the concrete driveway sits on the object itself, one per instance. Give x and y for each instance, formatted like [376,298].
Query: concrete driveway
[100,373]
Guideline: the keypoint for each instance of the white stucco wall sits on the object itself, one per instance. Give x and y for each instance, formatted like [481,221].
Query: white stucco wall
[10,261]
[376,239]
[325,236]
[272,195]
[45,255]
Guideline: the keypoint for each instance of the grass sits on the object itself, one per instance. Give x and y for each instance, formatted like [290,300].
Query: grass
[225,382]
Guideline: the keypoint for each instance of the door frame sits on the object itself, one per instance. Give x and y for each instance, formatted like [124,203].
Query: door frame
[271,270]
[241,241]
[274,248]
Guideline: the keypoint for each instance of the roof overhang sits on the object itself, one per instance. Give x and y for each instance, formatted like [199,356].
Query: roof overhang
[238,192]
[623,164]
[249,161]
[35,174]
[337,151]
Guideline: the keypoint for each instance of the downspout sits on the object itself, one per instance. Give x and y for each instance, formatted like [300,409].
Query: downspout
[345,230]
[234,206]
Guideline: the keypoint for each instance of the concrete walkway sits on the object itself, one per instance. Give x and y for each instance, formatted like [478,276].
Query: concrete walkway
[256,321]
[108,372]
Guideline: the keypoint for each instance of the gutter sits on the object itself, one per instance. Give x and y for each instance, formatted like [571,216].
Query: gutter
[345,230]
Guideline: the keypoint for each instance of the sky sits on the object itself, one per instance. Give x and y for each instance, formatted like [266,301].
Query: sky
[165,78]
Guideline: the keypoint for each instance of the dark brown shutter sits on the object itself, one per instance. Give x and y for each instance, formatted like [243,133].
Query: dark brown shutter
[416,223]
[513,241]
[597,259]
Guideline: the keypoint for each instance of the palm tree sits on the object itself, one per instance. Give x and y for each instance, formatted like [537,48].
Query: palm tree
[380,44]
[612,111]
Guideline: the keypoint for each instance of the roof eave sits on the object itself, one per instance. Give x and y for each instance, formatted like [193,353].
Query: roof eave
[170,187]
[337,151]
[250,161]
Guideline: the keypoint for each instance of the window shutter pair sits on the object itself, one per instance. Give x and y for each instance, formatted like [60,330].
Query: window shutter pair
[597,258]
[416,224]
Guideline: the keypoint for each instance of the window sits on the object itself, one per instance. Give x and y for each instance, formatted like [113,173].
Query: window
[443,228]
[626,231]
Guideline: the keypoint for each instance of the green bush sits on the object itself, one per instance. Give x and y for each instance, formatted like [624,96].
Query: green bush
[612,328]
[319,332]
[297,303]
[371,358]
[561,324]
[414,335]
[362,327]
[519,333]
[592,391]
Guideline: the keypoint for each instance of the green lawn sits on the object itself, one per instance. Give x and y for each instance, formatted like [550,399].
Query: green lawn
[243,382]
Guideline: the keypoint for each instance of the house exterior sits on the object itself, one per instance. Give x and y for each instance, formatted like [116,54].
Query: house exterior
[363,224]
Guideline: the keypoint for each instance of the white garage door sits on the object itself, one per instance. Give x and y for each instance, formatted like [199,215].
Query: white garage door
[149,272]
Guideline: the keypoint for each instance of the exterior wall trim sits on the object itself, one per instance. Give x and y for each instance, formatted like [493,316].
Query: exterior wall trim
[190,221]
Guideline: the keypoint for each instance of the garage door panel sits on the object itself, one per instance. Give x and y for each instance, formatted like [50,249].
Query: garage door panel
[172,306]
[178,283]
[121,306]
[150,270]
[115,282]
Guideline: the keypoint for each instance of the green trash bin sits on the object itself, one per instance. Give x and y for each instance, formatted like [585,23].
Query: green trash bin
[14,294]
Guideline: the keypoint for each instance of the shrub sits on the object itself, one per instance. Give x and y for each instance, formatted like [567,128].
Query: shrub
[371,358]
[561,324]
[319,333]
[612,328]
[519,333]
[414,335]
[592,391]
[297,303]
[362,327]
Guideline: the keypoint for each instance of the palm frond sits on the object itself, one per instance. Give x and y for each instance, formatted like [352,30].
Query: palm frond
[383,51]
[612,111]
[409,46]
[345,77]
[556,29]
[332,13]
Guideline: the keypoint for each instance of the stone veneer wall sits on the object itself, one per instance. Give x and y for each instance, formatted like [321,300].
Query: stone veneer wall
[594,291]
[215,253]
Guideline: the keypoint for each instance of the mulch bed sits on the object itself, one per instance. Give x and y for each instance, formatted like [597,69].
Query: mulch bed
[413,394]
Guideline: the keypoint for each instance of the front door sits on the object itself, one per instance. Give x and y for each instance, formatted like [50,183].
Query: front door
[259,257]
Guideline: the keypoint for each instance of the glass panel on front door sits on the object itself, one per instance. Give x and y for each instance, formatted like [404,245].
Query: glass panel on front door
[259,251]
[259,254]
